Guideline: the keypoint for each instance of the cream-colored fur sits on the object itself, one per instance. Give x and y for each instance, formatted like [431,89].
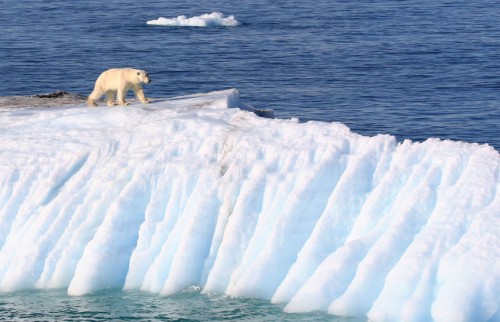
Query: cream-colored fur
[118,81]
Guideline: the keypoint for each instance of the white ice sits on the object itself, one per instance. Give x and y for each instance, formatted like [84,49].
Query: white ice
[196,191]
[205,20]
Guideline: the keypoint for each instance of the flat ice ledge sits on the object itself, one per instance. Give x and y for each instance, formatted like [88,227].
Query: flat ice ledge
[223,99]
[229,98]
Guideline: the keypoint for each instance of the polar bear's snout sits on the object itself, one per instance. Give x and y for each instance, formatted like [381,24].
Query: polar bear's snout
[147,79]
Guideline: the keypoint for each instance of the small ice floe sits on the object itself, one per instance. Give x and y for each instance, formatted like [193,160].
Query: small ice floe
[213,19]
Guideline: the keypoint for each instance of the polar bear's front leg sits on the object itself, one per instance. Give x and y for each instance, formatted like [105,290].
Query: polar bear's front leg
[139,93]
[120,96]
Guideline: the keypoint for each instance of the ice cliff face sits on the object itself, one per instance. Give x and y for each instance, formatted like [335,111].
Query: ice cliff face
[195,191]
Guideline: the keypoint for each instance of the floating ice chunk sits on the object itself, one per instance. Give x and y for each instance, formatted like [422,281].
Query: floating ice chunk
[205,20]
[195,190]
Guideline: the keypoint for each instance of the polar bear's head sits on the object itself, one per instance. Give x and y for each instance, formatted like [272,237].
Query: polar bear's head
[143,77]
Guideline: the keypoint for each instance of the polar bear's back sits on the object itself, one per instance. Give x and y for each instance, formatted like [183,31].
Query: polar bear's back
[114,78]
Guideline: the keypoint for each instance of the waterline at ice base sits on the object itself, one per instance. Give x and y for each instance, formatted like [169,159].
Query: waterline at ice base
[199,191]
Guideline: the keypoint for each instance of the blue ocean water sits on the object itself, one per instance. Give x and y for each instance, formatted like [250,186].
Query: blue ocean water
[411,69]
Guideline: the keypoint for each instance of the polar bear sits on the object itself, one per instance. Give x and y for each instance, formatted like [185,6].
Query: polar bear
[119,81]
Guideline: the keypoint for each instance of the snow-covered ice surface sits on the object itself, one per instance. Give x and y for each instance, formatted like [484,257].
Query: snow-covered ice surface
[195,191]
[205,20]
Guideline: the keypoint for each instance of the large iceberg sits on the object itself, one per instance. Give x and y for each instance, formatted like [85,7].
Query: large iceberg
[196,190]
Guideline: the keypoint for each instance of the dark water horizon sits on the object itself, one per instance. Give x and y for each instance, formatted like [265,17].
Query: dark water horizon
[413,70]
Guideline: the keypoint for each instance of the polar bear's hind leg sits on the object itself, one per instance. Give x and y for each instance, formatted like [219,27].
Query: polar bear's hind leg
[93,97]
[120,97]
[110,95]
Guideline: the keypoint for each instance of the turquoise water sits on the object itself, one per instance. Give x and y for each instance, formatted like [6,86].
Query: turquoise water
[115,305]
